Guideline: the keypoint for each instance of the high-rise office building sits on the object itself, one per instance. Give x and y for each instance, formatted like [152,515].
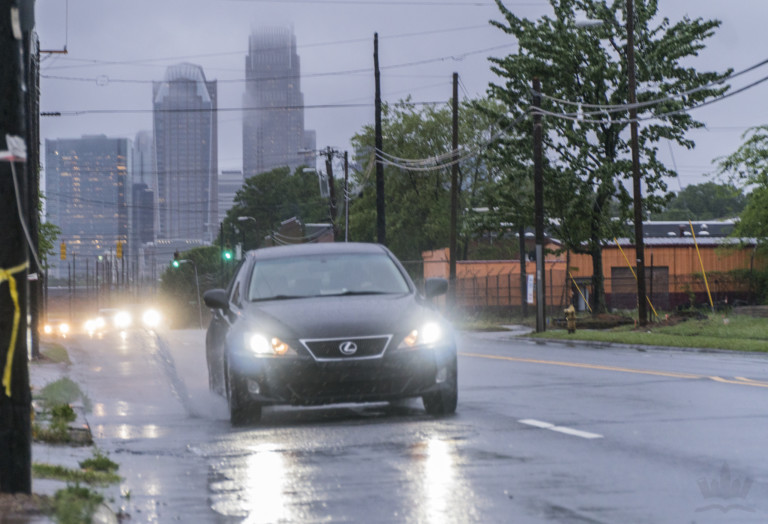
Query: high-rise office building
[186,146]
[273,104]
[87,192]
[143,212]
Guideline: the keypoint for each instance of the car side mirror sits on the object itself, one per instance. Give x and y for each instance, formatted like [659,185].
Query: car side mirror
[216,299]
[434,287]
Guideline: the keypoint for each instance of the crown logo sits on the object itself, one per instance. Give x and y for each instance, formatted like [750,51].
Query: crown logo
[726,488]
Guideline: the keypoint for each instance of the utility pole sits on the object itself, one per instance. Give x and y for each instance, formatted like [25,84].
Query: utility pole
[346,197]
[15,398]
[642,310]
[331,188]
[381,223]
[538,203]
[454,188]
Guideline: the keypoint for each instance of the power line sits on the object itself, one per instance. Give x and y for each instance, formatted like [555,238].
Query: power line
[148,61]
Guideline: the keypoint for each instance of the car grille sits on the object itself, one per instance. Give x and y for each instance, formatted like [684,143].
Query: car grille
[353,348]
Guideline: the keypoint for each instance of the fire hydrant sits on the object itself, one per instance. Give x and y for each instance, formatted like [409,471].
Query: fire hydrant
[570,318]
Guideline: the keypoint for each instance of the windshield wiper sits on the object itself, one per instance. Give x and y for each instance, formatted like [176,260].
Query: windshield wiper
[280,297]
[356,293]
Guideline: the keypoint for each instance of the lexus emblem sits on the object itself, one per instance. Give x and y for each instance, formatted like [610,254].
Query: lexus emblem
[348,348]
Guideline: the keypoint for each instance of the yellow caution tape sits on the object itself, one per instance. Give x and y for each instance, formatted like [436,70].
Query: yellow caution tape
[7,274]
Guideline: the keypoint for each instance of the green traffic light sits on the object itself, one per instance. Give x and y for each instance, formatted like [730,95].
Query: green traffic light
[175,263]
[227,255]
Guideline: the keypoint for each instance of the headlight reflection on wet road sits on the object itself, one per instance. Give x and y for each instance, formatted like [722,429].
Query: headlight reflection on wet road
[262,480]
[438,483]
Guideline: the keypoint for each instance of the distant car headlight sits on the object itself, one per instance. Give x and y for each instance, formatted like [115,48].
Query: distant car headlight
[151,318]
[63,328]
[48,329]
[122,319]
[428,334]
[262,345]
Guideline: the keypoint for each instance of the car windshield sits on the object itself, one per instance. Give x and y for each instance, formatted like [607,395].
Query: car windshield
[323,275]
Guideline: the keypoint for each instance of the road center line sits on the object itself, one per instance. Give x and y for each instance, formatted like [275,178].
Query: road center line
[741,381]
[559,429]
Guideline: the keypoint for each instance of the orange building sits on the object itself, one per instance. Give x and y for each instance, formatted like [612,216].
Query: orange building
[674,275]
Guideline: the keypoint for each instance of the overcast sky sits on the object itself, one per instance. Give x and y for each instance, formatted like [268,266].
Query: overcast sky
[116,48]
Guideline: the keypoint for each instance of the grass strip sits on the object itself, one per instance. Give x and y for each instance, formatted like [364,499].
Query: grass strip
[735,333]
[86,476]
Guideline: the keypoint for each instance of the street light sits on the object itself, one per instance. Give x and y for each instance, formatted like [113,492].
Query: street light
[637,195]
[242,229]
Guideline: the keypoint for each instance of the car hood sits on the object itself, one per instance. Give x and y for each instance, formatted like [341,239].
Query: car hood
[342,316]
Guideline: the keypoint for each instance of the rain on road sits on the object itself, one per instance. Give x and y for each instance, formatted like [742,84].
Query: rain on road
[543,432]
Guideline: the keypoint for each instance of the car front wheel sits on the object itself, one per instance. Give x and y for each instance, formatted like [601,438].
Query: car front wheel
[242,409]
[444,401]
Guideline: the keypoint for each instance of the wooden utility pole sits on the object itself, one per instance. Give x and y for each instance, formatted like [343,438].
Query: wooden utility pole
[381,222]
[15,398]
[538,203]
[331,189]
[346,197]
[454,188]
[642,310]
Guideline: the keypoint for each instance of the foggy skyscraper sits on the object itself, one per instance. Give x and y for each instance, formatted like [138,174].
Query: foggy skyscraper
[273,104]
[186,145]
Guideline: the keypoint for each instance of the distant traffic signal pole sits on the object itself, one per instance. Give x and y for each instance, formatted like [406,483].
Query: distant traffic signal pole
[176,263]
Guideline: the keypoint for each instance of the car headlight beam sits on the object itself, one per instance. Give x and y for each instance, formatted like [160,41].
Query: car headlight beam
[262,345]
[428,334]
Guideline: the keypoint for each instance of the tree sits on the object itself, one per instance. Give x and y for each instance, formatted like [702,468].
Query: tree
[270,198]
[705,201]
[748,166]
[418,194]
[584,85]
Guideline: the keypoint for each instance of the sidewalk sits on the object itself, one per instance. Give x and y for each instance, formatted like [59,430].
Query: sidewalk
[41,373]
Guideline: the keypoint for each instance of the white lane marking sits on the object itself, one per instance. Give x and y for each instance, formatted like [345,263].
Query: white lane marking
[559,429]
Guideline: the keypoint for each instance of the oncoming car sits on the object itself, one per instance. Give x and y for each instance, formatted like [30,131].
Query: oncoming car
[328,323]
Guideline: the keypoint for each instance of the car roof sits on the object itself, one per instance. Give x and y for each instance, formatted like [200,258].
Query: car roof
[320,248]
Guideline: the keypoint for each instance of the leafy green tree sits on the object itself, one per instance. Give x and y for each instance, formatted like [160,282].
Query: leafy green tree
[270,198]
[583,73]
[418,196]
[704,202]
[46,241]
[748,166]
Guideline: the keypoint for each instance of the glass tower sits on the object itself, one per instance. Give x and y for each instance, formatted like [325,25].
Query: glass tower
[186,145]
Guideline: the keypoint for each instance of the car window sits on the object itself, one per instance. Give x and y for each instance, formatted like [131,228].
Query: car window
[336,274]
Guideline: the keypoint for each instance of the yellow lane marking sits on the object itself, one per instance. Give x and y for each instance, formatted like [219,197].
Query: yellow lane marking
[740,380]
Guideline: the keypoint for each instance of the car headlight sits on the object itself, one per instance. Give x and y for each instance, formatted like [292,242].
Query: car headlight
[428,334]
[63,328]
[122,319]
[263,345]
[151,318]
[48,329]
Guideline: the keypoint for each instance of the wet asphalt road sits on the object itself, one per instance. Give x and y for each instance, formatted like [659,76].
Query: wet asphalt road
[543,433]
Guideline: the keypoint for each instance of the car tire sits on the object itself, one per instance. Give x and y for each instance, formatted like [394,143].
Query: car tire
[444,401]
[242,409]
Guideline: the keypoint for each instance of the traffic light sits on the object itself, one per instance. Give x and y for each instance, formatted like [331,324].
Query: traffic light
[176,259]
[227,254]
[119,250]
[63,250]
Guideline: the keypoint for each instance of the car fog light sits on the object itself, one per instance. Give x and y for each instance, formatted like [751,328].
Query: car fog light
[442,374]
[253,387]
